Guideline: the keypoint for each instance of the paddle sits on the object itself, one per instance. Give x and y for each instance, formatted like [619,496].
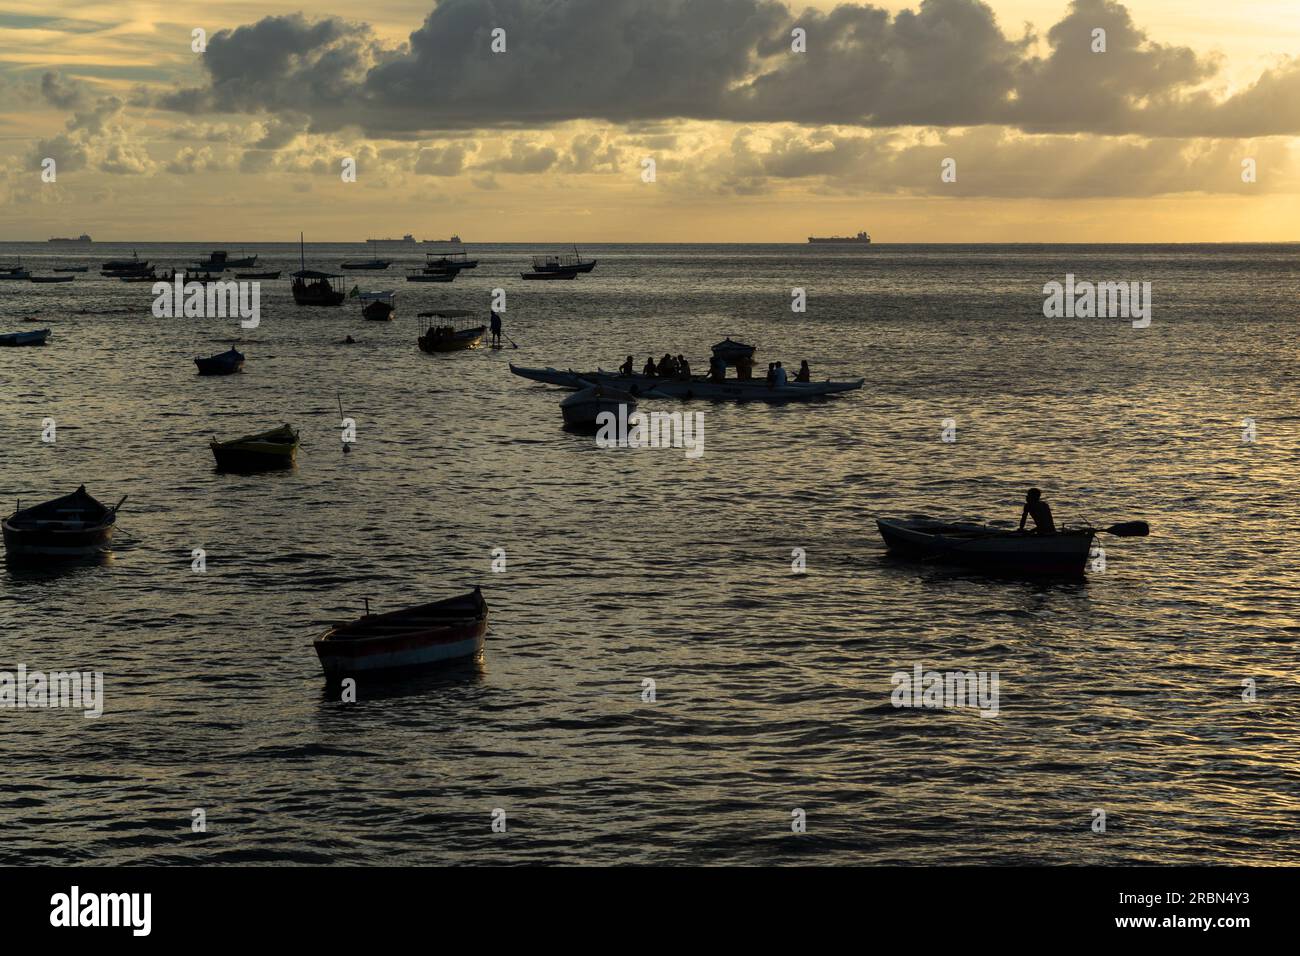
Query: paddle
[118,505]
[1128,529]
[509,339]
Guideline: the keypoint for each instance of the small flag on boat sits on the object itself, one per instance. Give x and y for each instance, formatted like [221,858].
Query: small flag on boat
[355,291]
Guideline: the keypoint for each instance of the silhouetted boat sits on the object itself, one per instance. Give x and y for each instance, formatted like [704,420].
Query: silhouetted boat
[49,279]
[448,262]
[998,550]
[16,275]
[81,240]
[378,306]
[257,275]
[583,407]
[861,239]
[448,630]
[366,265]
[441,335]
[564,263]
[134,264]
[220,261]
[227,363]
[552,274]
[315,288]
[728,390]
[72,269]
[433,276]
[34,337]
[265,451]
[74,526]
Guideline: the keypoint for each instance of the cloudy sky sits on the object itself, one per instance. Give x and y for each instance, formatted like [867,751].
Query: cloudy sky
[751,139]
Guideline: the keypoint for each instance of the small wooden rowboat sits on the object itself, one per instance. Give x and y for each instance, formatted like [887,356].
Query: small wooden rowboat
[227,363]
[449,330]
[265,451]
[74,526]
[34,337]
[414,637]
[50,279]
[998,550]
[432,276]
[582,409]
[378,306]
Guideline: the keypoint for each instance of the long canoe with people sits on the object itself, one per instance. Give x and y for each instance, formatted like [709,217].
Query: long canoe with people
[695,387]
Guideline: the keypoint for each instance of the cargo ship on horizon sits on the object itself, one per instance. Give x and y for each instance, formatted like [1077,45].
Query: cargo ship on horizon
[410,240]
[860,239]
[81,240]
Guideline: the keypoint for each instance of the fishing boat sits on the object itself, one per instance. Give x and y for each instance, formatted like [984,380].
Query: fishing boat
[72,269]
[265,451]
[732,352]
[728,390]
[16,265]
[227,363]
[149,276]
[998,550]
[366,265]
[134,264]
[220,261]
[74,526]
[414,637]
[378,306]
[315,288]
[49,279]
[584,407]
[450,330]
[563,263]
[258,275]
[34,337]
[554,274]
[448,261]
[16,274]
[433,276]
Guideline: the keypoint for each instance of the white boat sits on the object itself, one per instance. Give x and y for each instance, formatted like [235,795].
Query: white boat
[583,407]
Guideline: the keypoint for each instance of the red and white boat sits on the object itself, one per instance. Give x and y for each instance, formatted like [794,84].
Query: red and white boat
[447,630]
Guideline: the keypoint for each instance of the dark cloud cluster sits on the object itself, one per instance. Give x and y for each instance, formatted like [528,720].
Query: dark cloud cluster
[946,63]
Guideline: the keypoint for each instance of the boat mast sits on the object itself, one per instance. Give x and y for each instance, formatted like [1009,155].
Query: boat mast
[302,260]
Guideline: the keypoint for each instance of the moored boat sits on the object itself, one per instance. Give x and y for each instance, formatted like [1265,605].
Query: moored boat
[265,451]
[72,269]
[73,526]
[134,264]
[553,274]
[413,637]
[366,265]
[258,275]
[448,261]
[563,263]
[433,276]
[51,279]
[449,330]
[584,407]
[15,274]
[220,261]
[34,337]
[378,306]
[227,363]
[315,288]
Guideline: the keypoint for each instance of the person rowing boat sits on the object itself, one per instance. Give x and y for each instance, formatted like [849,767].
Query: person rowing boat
[1038,509]
[496,329]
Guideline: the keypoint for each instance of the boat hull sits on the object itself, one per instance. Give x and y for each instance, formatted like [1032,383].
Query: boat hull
[377,311]
[551,274]
[468,339]
[44,544]
[990,550]
[425,636]
[35,337]
[731,390]
[583,408]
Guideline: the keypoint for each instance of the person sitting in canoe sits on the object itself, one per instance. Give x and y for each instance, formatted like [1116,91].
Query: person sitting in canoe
[683,367]
[717,369]
[771,373]
[805,373]
[496,329]
[1038,509]
[779,376]
[649,367]
[627,368]
[667,367]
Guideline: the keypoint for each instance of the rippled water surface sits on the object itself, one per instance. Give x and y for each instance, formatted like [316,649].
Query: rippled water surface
[1123,693]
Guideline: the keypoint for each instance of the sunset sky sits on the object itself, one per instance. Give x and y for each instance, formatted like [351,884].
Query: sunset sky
[752,141]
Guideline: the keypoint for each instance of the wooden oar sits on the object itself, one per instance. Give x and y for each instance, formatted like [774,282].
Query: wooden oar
[509,339]
[1127,529]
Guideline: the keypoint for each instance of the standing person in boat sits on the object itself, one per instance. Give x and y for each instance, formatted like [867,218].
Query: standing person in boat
[627,368]
[1038,509]
[649,367]
[805,373]
[496,329]
[683,368]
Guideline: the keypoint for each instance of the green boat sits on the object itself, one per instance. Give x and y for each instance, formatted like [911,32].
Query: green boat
[265,451]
